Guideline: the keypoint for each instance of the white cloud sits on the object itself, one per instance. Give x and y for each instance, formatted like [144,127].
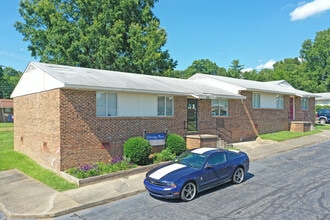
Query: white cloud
[247,70]
[268,65]
[305,10]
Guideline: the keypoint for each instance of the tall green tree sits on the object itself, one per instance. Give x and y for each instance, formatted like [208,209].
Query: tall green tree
[293,71]
[235,69]
[316,56]
[122,35]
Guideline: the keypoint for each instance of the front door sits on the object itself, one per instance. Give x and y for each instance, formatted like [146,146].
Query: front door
[192,115]
[291,108]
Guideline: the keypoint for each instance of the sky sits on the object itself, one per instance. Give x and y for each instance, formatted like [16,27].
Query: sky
[258,33]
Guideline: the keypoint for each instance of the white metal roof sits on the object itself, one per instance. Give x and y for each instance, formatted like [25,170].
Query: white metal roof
[279,87]
[323,96]
[40,77]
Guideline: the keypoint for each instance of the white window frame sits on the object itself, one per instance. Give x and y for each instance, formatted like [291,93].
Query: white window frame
[165,107]
[304,103]
[279,102]
[217,104]
[255,100]
[109,105]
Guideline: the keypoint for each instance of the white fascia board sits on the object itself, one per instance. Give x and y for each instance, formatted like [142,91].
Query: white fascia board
[217,96]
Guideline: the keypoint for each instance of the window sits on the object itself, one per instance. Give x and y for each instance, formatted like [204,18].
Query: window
[304,104]
[106,104]
[232,155]
[165,106]
[219,107]
[279,102]
[256,100]
[216,159]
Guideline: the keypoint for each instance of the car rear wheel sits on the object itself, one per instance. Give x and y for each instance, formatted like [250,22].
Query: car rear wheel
[322,121]
[238,175]
[188,191]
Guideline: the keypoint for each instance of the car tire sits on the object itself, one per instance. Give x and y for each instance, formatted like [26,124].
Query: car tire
[188,192]
[322,121]
[238,175]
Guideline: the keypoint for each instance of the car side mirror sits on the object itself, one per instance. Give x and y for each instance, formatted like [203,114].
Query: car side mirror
[208,166]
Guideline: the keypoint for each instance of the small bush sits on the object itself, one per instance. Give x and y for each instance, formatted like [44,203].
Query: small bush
[175,144]
[165,155]
[100,168]
[137,150]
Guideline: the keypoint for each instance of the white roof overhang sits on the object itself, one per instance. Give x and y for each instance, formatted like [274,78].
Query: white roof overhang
[40,77]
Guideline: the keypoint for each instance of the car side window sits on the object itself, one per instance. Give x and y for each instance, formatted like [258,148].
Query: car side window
[232,155]
[216,159]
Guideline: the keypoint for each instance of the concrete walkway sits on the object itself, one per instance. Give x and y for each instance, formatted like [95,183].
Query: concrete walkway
[24,197]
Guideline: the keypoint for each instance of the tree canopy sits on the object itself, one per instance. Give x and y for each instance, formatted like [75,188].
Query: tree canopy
[9,77]
[122,35]
[316,58]
[309,72]
[125,35]
[202,66]
[235,69]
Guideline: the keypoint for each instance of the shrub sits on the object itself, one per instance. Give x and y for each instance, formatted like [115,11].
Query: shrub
[164,155]
[100,168]
[137,150]
[175,144]
[85,171]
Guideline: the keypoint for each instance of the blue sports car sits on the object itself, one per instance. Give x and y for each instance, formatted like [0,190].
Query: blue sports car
[195,171]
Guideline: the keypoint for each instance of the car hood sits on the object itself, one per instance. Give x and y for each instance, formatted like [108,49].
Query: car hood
[170,172]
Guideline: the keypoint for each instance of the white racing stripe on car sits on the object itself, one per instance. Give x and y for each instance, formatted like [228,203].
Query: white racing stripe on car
[202,150]
[166,170]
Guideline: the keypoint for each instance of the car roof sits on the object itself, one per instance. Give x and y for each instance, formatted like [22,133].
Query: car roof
[207,150]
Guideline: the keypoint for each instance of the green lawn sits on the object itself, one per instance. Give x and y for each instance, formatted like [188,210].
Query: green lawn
[286,135]
[10,159]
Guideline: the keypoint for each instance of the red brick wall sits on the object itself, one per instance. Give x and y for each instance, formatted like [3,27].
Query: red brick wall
[60,130]
[82,133]
[37,127]
[304,115]
[245,123]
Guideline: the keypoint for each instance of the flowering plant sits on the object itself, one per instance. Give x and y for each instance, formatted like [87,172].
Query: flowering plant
[117,163]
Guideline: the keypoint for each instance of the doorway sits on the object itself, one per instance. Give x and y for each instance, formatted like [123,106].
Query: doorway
[292,116]
[192,122]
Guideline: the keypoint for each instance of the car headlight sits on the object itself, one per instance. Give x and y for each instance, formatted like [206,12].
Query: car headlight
[169,184]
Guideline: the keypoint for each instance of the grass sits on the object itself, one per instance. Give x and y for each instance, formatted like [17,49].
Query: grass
[10,159]
[286,135]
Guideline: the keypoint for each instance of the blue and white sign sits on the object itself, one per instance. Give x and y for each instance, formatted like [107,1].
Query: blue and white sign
[156,139]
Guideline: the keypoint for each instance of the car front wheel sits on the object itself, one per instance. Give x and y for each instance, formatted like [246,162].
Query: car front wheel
[188,191]
[238,175]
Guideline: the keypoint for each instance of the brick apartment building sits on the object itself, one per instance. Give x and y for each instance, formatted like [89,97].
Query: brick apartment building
[68,116]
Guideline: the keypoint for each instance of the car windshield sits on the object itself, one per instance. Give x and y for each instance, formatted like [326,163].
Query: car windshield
[191,159]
